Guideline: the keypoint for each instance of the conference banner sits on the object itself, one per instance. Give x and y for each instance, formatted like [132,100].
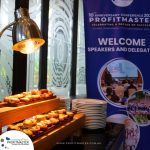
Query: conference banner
[117,40]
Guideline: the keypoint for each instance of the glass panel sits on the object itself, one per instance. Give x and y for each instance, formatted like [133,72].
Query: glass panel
[80,78]
[6,53]
[59,44]
[33,59]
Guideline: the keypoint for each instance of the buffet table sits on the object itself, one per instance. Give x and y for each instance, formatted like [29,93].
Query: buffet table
[110,138]
[49,138]
[69,135]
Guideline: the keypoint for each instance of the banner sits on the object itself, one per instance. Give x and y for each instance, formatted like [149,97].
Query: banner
[117,38]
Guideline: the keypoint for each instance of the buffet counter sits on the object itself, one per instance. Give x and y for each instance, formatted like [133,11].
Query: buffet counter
[24,117]
[50,127]
[110,138]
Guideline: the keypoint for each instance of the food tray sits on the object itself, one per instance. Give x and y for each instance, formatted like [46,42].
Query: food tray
[49,140]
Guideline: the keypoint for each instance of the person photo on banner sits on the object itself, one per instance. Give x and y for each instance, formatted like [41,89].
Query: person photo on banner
[131,88]
[108,78]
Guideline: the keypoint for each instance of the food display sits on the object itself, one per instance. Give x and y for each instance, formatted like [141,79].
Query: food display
[42,120]
[41,124]
[28,97]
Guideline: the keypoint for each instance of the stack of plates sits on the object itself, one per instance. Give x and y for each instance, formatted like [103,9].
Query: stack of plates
[94,110]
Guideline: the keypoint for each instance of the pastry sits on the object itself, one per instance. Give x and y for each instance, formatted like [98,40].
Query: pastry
[70,114]
[28,132]
[35,129]
[52,115]
[62,111]
[13,127]
[54,111]
[35,92]
[54,120]
[13,100]
[29,122]
[25,99]
[47,122]
[7,98]
[62,117]
[40,117]
[18,95]
[47,95]
[43,91]
[42,125]
[35,97]
[20,125]
[30,97]
[26,93]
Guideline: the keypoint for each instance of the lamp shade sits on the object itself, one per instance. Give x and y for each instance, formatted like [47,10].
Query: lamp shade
[26,34]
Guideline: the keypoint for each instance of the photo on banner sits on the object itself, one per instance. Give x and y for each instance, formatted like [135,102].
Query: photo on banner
[118,79]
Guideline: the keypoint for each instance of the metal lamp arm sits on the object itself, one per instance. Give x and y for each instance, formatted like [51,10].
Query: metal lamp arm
[2,31]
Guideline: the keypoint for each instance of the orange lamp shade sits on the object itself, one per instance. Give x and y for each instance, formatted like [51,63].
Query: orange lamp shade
[29,45]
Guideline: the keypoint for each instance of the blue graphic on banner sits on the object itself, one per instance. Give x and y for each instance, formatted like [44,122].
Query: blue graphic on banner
[117,38]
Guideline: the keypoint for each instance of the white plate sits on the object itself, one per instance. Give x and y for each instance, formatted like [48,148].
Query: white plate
[95,121]
[92,112]
[91,108]
[117,118]
[95,118]
[95,127]
[90,101]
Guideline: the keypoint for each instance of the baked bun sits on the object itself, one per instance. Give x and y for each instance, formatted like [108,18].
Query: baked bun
[43,91]
[29,122]
[30,97]
[28,132]
[42,125]
[47,122]
[62,117]
[36,97]
[7,98]
[47,95]
[13,100]
[54,120]
[70,114]
[52,115]
[35,129]
[13,127]
[25,99]
[61,111]
[18,95]
[26,93]
[35,92]
[40,117]
[20,125]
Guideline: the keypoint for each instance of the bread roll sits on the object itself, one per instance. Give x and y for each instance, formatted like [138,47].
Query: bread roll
[29,122]
[40,117]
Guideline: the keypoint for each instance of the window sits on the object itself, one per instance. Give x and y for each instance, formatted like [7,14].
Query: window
[80,78]
[33,59]
[6,53]
[60,35]
[60,46]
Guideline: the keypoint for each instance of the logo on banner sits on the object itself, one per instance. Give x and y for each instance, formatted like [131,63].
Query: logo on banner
[122,3]
[15,140]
